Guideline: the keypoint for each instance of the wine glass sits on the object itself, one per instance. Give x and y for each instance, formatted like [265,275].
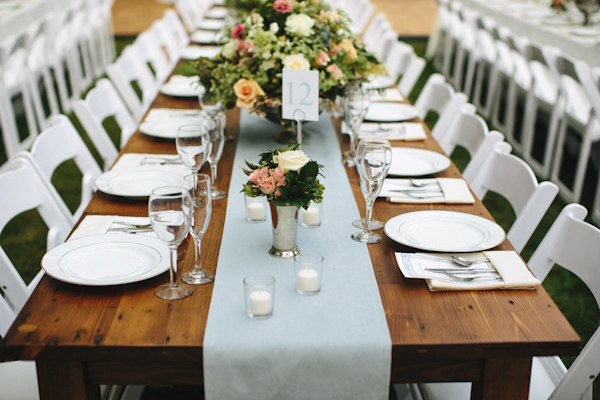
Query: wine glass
[587,7]
[213,108]
[214,127]
[170,212]
[356,105]
[374,160]
[193,145]
[360,223]
[201,193]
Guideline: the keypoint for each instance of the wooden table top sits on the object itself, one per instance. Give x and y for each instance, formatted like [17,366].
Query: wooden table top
[432,333]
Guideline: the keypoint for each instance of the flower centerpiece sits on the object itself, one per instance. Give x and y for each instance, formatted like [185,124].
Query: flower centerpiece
[559,5]
[277,35]
[289,180]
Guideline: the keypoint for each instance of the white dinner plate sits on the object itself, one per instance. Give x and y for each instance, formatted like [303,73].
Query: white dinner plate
[182,86]
[218,13]
[585,31]
[380,82]
[417,162]
[206,37]
[382,111]
[139,181]
[111,259]
[195,52]
[166,128]
[444,231]
[211,24]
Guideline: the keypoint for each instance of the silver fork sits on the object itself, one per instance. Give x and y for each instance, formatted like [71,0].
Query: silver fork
[468,279]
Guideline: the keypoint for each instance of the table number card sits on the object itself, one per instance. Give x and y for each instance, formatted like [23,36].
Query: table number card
[300,95]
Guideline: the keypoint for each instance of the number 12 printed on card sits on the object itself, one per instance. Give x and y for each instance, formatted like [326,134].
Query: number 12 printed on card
[300,95]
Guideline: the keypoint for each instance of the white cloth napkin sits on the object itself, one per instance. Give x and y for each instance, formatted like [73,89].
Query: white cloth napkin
[391,94]
[407,131]
[157,114]
[135,159]
[101,224]
[510,266]
[452,191]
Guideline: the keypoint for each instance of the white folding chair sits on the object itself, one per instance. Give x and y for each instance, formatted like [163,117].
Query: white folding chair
[373,32]
[591,84]
[574,245]
[480,72]
[576,117]
[128,70]
[513,179]
[470,132]
[61,142]
[414,67]
[540,122]
[103,102]
[148,48]
[439,97]
[167,40]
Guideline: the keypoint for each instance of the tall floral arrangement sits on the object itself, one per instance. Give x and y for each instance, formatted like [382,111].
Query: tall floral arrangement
[286,177]
[284,34]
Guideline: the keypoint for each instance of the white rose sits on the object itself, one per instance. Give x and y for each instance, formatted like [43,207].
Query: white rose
[292,160]
[274,27]
[297,62]
[299,24]
[229,49]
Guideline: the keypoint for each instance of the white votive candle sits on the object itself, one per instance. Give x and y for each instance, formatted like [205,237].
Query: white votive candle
[308,280]
[311,216]
[256,211]
[260,302]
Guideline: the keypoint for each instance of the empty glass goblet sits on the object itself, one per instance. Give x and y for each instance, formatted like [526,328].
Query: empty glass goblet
[214,126]
[170,212]
[193,145]
[374,160]
[360,223]
[200,190]
[356,105]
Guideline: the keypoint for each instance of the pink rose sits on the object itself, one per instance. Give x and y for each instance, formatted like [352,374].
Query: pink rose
[276,193]
[237,30]
[335,49]
[244,46]
[267,185]
[335,71]
[322,58]
[279,175]
[257,176]
[283,6]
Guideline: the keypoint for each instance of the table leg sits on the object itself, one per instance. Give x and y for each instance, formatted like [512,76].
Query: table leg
[65,381]
[504,378]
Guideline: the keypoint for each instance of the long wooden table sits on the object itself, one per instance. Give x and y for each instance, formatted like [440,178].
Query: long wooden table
[82,336]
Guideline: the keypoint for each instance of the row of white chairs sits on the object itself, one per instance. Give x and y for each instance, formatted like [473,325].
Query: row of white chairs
[507,77]
[50,65]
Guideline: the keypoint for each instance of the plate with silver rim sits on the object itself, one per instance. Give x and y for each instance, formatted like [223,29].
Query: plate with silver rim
[139,181]
[444,231]
[105,260]
[408,161]
[387,111]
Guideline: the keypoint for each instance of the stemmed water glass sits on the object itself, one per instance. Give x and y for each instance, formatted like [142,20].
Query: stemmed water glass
[213,109]
[374,160]
[193,145]
[214,125]
[360,223]
[356,105]
[170,212]
[587,7]
[201,193]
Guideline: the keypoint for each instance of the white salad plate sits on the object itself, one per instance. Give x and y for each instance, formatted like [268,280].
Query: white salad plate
[206,37]
[139,181]
[182,86]
[416,162]
[111,259]
[211,24]
[585,31]
[444,231]
[166,128]
[218,12]
[382,111]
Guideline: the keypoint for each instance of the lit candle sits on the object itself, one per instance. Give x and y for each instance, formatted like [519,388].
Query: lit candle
[260,302]
[311,216]
[256,211]
[308,280]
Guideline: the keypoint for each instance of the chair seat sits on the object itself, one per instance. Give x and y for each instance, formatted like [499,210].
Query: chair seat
[18,380]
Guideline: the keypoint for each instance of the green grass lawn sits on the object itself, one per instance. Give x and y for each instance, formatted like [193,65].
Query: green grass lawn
[23,238]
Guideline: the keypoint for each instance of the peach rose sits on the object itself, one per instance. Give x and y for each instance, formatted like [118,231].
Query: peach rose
[247,91]
[322,58]
[335,71]
[267,186]
[349,48]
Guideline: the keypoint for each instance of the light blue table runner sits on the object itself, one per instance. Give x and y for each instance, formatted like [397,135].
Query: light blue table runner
[334,345]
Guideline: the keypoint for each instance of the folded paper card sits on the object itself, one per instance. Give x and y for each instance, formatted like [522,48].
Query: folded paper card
[407,131]
[504,270]
[430,190]
[101,224]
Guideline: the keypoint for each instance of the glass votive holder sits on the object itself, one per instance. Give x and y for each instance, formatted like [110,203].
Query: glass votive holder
[256,208]
[308,268]
[311,217]
[260,294]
